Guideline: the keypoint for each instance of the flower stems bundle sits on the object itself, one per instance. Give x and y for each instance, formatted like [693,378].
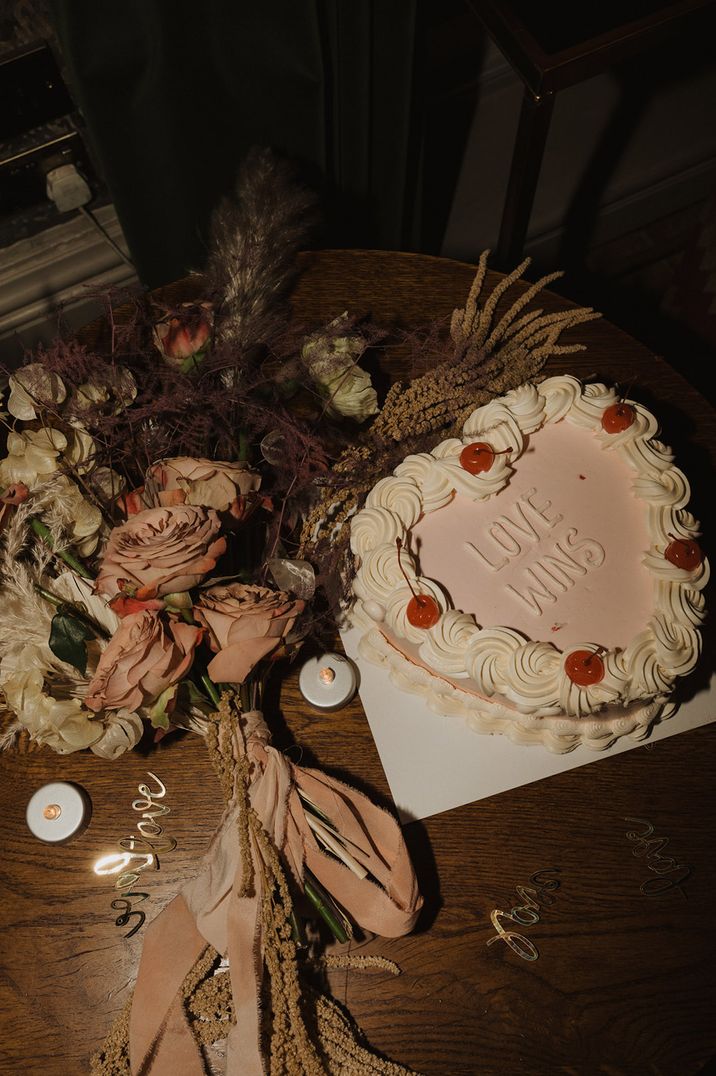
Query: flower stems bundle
[302,1032]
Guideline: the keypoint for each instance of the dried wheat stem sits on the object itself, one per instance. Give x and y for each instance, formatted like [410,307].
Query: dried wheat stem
[463,321]
[491,305]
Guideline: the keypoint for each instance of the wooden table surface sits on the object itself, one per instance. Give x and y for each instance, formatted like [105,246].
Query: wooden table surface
[624,982]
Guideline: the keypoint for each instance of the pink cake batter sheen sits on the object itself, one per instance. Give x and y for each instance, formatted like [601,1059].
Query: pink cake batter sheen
[556,555]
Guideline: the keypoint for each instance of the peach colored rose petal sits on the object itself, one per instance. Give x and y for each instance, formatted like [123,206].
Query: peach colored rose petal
[143,658]
[245,623]
[161,551]
[233,664]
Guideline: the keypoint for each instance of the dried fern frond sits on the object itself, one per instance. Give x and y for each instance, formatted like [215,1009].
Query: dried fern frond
[254,240]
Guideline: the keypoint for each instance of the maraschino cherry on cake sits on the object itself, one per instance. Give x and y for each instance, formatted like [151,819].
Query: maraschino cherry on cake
[540,576]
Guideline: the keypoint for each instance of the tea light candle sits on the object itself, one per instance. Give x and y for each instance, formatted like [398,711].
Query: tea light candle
[57,812]
[328,681]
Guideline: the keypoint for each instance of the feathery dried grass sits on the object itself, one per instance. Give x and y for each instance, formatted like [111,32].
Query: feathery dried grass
[254,241]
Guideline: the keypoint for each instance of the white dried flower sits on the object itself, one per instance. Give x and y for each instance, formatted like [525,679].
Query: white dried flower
[351,394]
[33,387]
[117,388]
[73,588]
[122,386]
[46,695]
[106,483]
[80,452]
[90,394]
[85,518]
[32,456]
[332,362]
[122,730]
[64,724]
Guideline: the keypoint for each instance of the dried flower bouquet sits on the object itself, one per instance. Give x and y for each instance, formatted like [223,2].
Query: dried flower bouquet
[167,507]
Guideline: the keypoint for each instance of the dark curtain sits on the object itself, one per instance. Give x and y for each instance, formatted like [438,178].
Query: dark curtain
[174,93]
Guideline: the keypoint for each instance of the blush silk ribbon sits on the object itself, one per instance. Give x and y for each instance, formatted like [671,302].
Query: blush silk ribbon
[211,911]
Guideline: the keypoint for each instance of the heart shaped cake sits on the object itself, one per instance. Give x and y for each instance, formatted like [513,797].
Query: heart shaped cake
[539,576]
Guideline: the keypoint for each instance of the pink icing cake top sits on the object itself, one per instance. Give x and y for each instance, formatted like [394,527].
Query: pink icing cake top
[557,555]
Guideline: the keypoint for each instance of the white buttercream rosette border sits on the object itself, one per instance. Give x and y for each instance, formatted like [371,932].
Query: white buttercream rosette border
[500,661]
[559,734]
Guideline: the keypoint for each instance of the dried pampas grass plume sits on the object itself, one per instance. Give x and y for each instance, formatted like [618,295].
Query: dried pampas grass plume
[254,239]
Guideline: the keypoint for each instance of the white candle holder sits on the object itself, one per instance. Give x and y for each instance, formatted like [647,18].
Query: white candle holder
[57,812]
[328,681]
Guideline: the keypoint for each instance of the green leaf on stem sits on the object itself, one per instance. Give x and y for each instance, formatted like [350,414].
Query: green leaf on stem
[211,689]
[158,711]
[191,697]
[68,637]
[193,362]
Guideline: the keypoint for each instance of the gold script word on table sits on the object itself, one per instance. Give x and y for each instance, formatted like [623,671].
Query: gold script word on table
[670,873]
[527,913]
[145,847]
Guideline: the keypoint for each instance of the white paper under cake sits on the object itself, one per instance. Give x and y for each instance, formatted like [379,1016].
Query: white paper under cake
[433,764]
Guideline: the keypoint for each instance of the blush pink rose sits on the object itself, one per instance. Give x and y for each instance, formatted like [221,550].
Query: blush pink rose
[161,551]
[245,623]
[224,486]
[143,658]
[185,332]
